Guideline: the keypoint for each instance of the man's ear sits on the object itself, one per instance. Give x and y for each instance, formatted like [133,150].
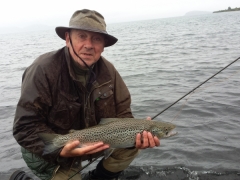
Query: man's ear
[105,41]
[67,34]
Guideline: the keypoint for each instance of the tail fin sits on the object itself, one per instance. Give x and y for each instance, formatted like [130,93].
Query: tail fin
[48,140]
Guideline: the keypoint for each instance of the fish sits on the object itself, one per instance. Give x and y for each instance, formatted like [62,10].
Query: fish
[116,132]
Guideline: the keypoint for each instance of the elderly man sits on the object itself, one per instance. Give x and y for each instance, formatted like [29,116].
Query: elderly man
[73,88]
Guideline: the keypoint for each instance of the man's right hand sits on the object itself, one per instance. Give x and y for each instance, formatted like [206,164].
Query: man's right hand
[71,149]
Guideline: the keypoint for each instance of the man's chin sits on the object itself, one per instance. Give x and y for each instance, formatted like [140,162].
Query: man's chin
[83,65]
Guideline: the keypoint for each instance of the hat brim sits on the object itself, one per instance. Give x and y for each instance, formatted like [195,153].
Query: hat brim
[111,40]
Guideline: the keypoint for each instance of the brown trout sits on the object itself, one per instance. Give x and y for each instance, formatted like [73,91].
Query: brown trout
[117,132]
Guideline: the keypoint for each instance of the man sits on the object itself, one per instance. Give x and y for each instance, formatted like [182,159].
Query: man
[73,88]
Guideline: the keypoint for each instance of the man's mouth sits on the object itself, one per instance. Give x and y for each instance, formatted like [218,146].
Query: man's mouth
[87,54]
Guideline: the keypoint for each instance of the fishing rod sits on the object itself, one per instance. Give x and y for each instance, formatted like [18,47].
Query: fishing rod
[195,88]
[90,162]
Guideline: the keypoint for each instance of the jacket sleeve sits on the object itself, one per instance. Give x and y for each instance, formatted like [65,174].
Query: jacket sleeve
[122,98]
[31,112]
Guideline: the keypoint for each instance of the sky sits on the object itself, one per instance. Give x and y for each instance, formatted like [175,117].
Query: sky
[22,13]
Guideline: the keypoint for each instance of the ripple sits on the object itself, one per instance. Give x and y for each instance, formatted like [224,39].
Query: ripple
[159,63]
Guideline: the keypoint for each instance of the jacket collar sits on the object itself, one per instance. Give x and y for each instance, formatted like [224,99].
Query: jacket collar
[100,69]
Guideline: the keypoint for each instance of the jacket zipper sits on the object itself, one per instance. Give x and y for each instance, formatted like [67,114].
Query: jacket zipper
[88,103]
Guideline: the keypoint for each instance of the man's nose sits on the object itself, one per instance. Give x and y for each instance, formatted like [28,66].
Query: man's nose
[88,43]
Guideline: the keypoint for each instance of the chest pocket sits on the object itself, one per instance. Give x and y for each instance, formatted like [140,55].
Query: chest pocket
[105,104]
[65,111]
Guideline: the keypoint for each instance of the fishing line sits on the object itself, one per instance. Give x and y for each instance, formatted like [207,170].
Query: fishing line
[90,162]
[190,92]
[217,83]
[195,88]
[199,91]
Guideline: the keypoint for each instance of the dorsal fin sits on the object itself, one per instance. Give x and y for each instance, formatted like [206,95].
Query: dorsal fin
[72,131]
[107,120]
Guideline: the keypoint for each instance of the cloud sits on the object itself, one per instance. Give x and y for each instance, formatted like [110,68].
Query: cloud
[58,12]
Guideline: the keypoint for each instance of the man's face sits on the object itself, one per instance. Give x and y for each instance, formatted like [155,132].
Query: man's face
[88,45]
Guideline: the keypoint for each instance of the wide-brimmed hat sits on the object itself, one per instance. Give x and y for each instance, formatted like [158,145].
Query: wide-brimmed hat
[90,21]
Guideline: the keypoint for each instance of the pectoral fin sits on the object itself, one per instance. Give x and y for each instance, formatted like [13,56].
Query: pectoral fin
[48,140]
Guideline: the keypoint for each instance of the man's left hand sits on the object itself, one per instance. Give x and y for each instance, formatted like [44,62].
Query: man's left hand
[146,140]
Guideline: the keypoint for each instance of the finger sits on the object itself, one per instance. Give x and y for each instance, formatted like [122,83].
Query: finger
[105,146]
[71,150]
[71,145]
[149,118]
[68,148]
[151,140]
[86,149]
[89,148]
[138,141]
[145,140]
[157,141]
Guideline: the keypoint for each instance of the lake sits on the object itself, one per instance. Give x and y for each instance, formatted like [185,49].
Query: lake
[160,60]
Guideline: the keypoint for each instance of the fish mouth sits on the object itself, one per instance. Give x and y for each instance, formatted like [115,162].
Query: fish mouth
[171,133]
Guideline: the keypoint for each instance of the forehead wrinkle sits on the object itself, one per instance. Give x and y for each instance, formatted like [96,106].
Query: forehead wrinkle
[78,31]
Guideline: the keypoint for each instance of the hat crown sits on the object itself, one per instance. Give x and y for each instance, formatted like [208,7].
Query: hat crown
[88,19]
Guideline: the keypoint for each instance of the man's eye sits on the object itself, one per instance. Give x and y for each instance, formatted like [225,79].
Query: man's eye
[98,39]
[82,36]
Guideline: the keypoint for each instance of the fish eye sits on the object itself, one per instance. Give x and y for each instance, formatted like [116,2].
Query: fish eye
[166,129]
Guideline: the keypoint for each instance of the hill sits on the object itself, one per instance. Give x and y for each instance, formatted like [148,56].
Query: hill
[227,10]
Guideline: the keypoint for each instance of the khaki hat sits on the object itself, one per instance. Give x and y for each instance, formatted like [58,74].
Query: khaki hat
[90,21]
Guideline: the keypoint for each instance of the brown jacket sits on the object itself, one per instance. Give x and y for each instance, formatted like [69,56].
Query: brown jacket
[53,101]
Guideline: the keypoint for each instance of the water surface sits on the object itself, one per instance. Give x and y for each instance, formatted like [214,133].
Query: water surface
[160,60]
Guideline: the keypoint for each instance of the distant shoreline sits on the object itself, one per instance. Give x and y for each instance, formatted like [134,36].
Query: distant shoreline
[227,10]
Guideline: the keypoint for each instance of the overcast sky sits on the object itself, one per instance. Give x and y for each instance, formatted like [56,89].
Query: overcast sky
[21,13]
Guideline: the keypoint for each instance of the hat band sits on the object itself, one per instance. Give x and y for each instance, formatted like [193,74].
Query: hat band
[88,29]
